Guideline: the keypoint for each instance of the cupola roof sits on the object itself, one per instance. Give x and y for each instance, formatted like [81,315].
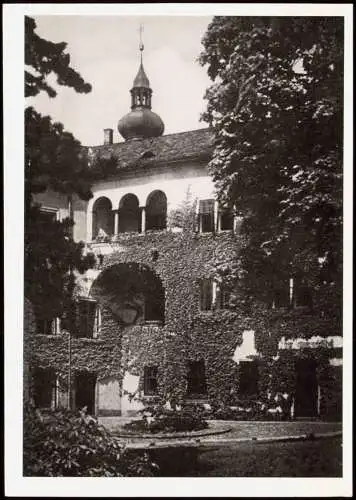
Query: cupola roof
[141,122]
[141,79]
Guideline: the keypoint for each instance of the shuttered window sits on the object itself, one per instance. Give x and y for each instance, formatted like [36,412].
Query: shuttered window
[224,297]
[150,381]
[86,312]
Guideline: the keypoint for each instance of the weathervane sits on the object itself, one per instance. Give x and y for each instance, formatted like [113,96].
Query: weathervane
[141,46]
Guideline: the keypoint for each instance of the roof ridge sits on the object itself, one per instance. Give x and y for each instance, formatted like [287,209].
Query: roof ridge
[206,129]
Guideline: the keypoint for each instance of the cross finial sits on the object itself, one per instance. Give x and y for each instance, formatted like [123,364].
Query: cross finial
[141,46]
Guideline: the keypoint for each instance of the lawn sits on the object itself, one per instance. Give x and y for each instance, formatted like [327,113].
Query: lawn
[319,458]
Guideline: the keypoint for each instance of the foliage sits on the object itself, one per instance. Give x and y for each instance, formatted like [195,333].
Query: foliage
[49,254]
[253,410]
[44,57]
[64,443]
[189,334]
[184,216]
[276,109]
[54,160]
[157,418]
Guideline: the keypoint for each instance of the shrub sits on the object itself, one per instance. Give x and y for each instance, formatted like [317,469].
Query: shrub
[64,443]
[157,418]
[247,410]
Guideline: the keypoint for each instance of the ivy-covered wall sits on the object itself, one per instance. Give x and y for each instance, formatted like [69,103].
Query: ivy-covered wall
[181,260]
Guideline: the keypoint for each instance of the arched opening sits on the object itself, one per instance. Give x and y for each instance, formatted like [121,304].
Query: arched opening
[129,214]
[103,219]
[156,211]
[132,292]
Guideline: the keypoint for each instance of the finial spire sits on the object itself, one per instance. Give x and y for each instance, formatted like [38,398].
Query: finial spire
[141,46]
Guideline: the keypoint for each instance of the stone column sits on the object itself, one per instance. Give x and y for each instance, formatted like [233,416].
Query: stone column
[89,225]
[116,222]
[143,219]
[216,216]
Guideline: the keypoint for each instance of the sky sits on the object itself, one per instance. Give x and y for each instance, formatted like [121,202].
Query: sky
[105,51]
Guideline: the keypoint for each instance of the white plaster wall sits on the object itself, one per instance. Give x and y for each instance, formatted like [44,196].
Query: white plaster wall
[79,216]
[174,182]
[130,384]
[109,395]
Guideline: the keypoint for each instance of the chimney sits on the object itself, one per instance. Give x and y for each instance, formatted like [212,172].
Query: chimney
[108,135]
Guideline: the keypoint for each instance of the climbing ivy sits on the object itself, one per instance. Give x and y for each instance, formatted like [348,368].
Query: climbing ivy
[180,260]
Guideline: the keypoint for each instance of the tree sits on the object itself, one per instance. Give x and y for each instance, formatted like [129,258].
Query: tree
[54,160]
[43,58]
[276,109]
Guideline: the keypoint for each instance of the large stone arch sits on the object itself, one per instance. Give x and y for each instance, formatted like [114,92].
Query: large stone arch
[132,291]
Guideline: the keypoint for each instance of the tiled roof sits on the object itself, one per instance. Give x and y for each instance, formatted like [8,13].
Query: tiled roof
[157,150]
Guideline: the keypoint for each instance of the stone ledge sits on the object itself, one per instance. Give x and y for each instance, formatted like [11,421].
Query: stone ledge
[171,435]
[195,443]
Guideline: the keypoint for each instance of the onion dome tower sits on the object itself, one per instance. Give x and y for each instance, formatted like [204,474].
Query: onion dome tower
[141,122]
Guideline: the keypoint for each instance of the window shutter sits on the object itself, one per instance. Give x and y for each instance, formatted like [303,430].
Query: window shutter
[206,294]
[206,207]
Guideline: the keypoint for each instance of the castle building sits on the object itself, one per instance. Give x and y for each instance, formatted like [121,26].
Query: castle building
[159,315]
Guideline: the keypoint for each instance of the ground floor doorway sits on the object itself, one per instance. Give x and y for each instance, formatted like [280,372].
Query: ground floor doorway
[85,391]
[306,393]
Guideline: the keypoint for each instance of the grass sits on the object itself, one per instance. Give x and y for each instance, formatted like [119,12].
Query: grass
[320,458]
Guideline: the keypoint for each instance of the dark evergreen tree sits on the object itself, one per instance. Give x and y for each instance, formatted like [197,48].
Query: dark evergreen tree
[54,160]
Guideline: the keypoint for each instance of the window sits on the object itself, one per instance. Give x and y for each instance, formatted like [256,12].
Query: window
[206,295]
[48,215]
[45,326]
[196,378]
[302,294]
[248,379]
[282,295]
[226,221]
[206,216]
[86,312]
[292,293]
[150,380]
[44,387]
